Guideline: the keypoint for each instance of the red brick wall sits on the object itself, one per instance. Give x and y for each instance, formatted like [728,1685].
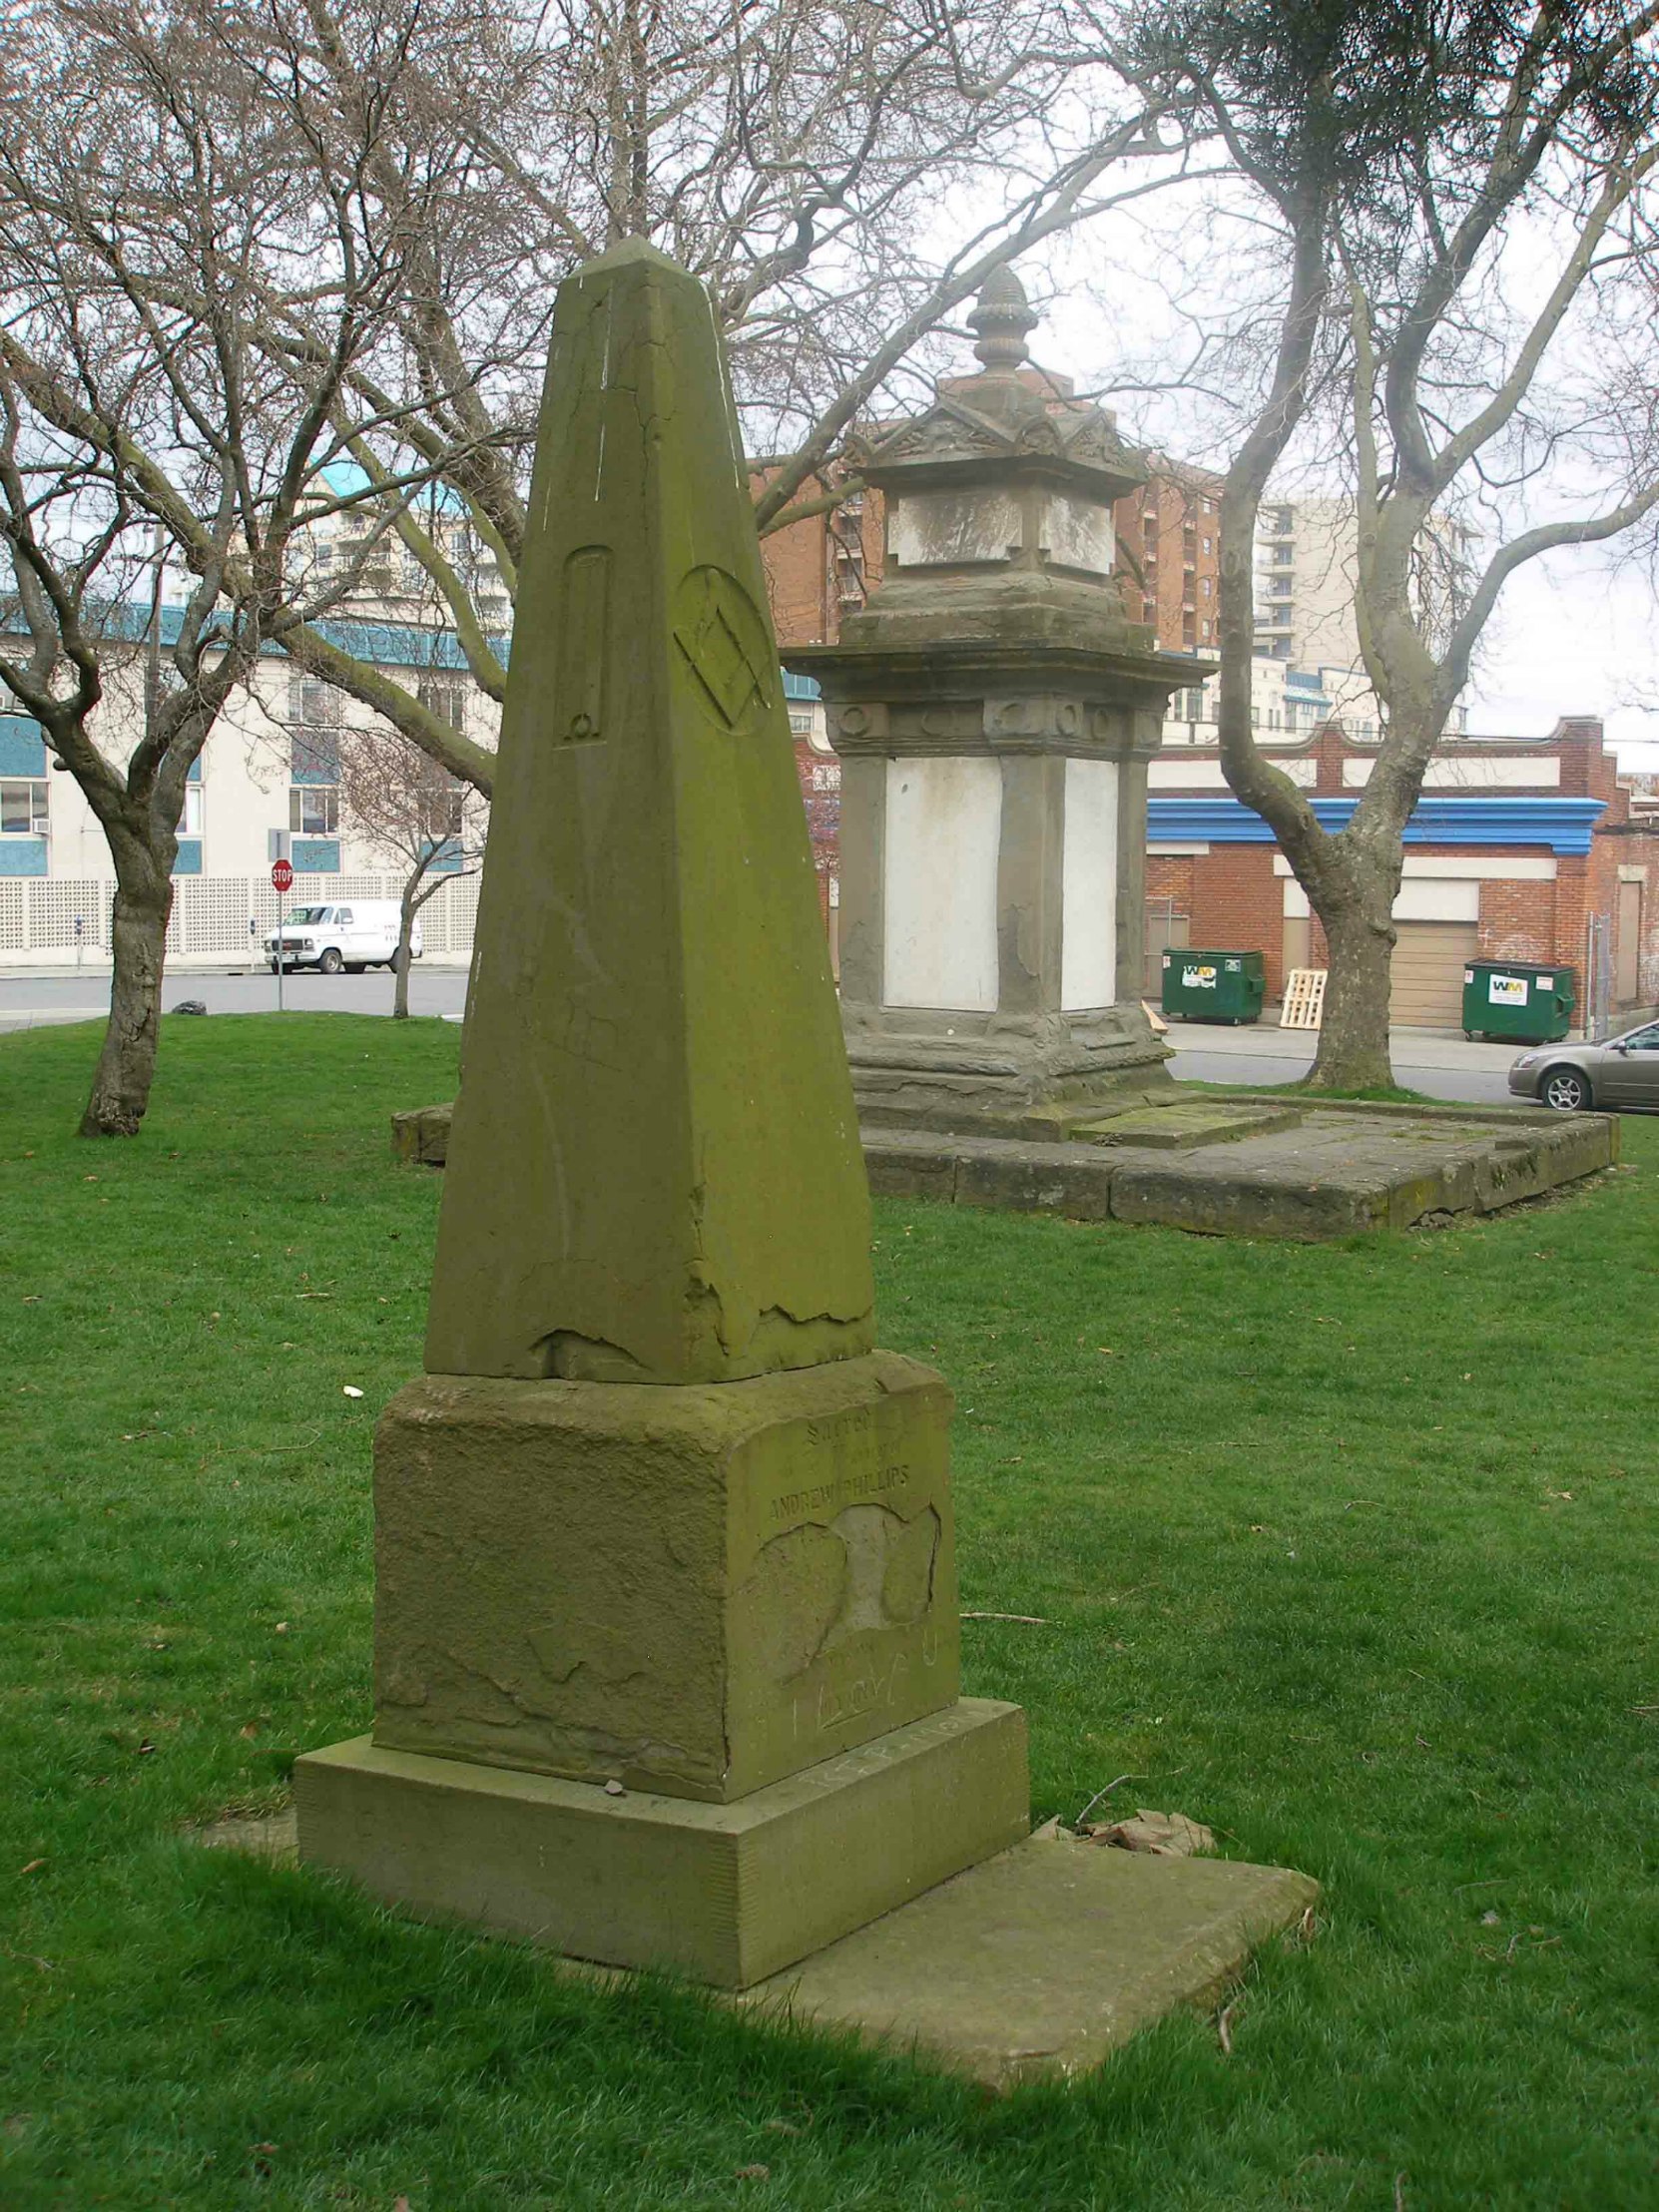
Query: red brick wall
[1517,919]
[1238,905]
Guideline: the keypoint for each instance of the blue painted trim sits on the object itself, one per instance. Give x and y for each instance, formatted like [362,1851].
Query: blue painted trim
[22,856]
[22,746]
[445,858]
[188,861]
[195,774]
[1563,825]
[799,686]
[316,855]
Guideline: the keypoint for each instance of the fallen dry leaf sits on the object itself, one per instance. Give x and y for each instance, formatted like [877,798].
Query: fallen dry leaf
[757,2172]
[1165,1834]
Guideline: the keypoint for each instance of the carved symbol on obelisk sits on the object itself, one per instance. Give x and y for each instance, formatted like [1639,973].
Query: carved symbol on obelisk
[724,641]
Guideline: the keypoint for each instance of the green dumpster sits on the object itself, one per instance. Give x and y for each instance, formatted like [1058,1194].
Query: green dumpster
[1522,999]
[1213,986]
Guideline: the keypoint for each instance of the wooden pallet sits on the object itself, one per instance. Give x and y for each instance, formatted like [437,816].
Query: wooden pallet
[1304,1006]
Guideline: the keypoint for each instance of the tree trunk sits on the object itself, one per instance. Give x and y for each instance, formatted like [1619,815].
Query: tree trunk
[1354,1037]
[127,1064]
[405,931]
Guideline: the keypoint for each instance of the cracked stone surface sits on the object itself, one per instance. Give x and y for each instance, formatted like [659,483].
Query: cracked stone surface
[654,1171]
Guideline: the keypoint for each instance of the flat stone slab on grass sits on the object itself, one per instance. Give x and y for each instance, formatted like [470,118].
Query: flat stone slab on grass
[1180,1128]
[1043,1960]
[1330,1170]
[1038,1962]
[1333,1174]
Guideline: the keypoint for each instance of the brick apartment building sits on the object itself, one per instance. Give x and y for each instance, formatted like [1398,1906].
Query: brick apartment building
[1520,850]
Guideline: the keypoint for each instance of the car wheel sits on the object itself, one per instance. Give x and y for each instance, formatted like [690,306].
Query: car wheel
[1565,1091]
[331,962]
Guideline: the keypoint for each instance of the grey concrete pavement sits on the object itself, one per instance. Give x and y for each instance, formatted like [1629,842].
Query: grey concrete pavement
[1438,1063]
[27,1000]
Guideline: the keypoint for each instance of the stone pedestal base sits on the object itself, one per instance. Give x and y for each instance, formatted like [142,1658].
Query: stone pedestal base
[727,1894]
[694,1590]
[967,1072]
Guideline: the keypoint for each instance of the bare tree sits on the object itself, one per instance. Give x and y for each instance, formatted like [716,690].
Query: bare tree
[1462,202]
[152,202]
[412,813]
[842,175]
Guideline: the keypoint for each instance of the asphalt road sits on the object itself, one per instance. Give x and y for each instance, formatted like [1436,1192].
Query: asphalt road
[1439,1064]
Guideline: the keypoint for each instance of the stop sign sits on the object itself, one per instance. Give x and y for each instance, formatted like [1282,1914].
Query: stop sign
[282,875]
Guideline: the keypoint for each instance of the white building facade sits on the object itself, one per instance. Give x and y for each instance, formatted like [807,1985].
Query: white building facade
[270,772]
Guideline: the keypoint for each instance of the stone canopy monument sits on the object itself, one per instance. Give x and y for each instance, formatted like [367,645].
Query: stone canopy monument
[666,1616]
[994,709]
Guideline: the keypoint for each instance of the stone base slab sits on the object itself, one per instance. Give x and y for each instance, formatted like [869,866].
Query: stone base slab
[1333,1174]
[1042,1961]
[726,1893]
[1323,1178]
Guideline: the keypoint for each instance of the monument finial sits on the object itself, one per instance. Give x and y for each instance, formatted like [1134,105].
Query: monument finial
[1003,317]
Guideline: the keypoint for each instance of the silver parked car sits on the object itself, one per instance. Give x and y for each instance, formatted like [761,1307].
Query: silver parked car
[1622,1073]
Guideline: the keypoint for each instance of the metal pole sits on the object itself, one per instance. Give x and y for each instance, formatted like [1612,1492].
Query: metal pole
[280,961]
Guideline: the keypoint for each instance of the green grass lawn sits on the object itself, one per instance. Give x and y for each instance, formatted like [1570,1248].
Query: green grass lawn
[1348,1551]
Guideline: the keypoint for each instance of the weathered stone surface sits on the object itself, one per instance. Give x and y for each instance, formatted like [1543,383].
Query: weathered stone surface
[727,1893]
[653,1173]
[1330,1174]
[421,1136]
[690,1591]
[1182,1127]
[1042,1961]
[1341,1182]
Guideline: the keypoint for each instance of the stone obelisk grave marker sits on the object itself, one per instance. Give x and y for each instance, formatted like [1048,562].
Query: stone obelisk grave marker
[666,1615]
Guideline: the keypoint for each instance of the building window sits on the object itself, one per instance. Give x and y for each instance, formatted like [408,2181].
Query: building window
[23,809]
[314,809]
[446,701]
[190,822]
[800,720]
[1204,587]
[313,705]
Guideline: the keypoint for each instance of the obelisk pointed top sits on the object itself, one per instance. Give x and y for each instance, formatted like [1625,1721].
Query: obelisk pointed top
[654,1171]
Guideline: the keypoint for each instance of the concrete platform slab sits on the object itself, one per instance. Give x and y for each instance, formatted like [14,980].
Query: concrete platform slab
[1303,1172]
[1042,1961]
[1334,1173]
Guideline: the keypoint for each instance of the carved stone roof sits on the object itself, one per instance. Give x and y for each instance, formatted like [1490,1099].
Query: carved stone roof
[1007,421]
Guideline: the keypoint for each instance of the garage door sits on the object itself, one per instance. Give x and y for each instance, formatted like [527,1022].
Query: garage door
[1427,980]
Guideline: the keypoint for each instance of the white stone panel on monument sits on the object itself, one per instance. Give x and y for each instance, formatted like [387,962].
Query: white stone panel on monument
[1079,533]
[943,837]
[1089,895]
[937,529]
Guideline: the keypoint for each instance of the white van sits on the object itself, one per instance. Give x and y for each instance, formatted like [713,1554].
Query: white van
[360,936]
